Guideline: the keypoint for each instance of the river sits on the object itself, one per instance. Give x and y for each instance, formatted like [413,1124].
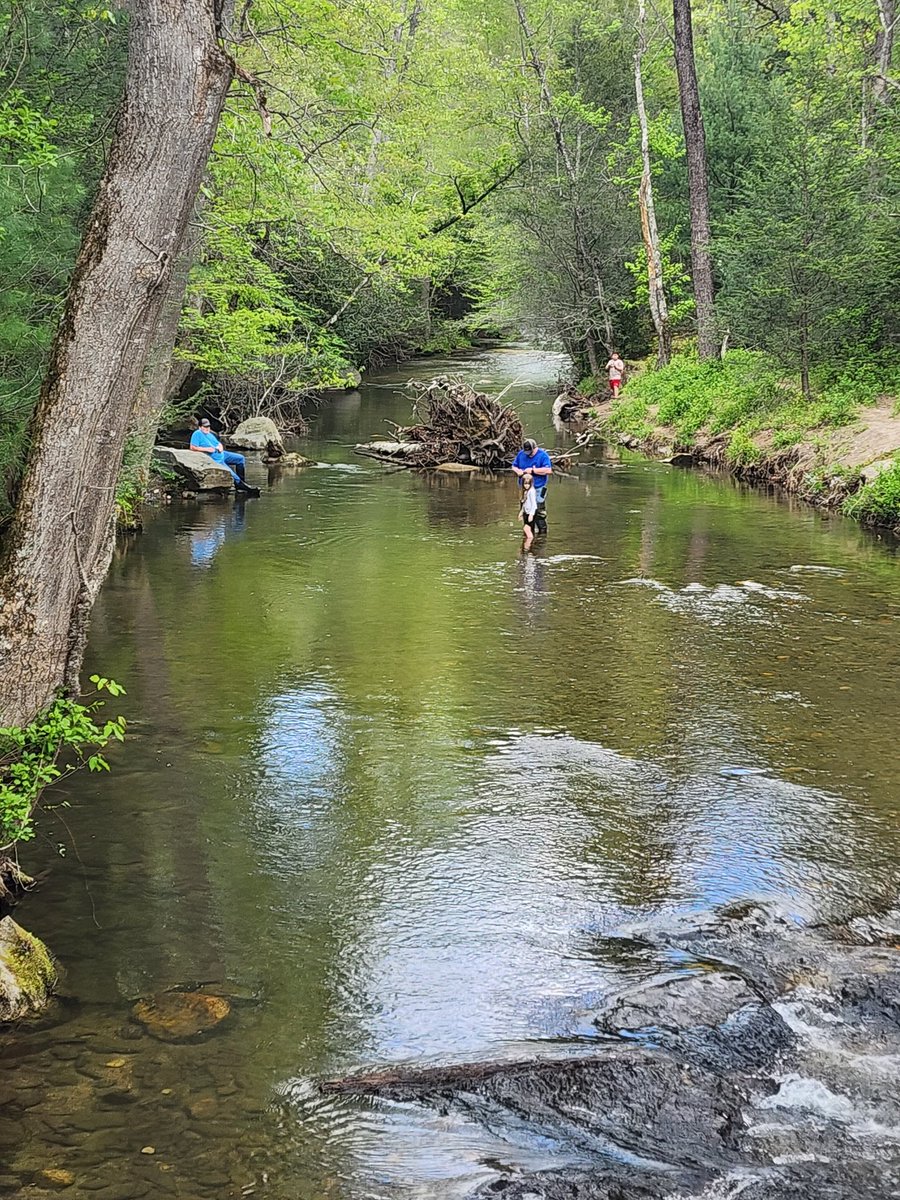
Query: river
[393,783]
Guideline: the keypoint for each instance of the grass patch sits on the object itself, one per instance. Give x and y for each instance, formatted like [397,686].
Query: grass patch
[744,396]
[878,502]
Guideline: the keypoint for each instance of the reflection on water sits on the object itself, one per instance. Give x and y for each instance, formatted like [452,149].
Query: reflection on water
[392,784]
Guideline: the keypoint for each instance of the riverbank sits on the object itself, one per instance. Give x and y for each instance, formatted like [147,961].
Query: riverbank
[840,451]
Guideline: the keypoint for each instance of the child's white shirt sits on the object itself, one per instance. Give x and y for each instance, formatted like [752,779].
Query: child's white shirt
[529,502]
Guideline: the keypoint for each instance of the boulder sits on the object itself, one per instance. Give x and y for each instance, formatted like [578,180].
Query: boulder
[677,1002]
[27,973]
[196,471]
[256,433]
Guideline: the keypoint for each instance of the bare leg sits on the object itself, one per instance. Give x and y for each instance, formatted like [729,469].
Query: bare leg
[529,535]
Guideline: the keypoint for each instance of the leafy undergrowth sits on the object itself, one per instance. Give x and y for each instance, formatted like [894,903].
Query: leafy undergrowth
[743,398]
[60,740]
[878,502]
[744,394]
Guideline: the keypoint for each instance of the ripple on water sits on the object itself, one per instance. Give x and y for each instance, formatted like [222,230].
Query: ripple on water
[718,604]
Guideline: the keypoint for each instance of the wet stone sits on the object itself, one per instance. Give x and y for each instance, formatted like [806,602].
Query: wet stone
[90,1122]
[677,1003]
[203,1107]
[56,1178]
[67,1051]
[180,1016]
[131,1190]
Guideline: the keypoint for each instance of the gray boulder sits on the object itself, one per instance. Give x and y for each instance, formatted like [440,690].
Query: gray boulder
[677,1002]
[196,471]
[257,433]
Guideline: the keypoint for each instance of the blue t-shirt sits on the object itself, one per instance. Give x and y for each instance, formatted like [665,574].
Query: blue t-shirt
[527,462]
[200,437]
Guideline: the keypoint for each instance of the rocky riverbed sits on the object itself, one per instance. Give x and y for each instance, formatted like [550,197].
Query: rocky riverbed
[766,1066]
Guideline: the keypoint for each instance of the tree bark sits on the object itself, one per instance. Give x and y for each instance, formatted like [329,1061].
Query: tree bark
[155,387]
[659,309]
[695,146]
[61,537]
[884,50]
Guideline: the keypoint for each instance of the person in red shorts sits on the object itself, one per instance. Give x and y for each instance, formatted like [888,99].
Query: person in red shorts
[616,369]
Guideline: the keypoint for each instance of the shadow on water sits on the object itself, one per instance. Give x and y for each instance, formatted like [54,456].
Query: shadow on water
[399,781]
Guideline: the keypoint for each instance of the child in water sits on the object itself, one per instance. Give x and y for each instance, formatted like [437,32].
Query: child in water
[529,508]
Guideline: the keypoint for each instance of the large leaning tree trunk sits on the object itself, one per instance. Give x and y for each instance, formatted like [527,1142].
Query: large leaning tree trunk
[162,374]
[659,309]
[698,188]
[60,541]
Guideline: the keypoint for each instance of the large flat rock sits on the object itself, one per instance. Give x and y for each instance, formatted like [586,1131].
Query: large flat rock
[196,471]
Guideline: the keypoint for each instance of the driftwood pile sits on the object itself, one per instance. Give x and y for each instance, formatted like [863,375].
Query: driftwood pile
[455,424]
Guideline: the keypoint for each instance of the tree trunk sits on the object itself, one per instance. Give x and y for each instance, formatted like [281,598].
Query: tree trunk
[884,50]
[695,146]
[155,388]
[659,310]
[61,537]
[593,360]
[804,353]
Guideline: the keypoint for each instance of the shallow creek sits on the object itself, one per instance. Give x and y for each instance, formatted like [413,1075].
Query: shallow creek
[391,785]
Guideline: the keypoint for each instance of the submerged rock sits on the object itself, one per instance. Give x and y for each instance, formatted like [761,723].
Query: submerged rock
[180,1016]
[27,974]
[678,1002]
[626,1099]
[288,460]
[713,1018]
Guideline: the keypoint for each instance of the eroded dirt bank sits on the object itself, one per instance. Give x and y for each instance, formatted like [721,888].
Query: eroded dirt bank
[827,469]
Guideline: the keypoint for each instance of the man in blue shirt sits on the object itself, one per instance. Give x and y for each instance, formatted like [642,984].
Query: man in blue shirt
[204,441]
[536,462]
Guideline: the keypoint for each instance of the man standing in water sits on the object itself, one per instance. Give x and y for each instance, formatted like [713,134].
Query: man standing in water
[533,461]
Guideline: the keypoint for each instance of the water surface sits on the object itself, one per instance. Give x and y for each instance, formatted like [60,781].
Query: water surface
[390,782]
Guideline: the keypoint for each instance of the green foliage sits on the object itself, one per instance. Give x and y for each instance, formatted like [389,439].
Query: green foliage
[742,395]
[878,502]
[30,756]
[59,82]
[742,450]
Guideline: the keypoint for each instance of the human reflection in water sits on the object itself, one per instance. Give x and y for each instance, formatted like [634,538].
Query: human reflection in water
[532,584]
[211,528]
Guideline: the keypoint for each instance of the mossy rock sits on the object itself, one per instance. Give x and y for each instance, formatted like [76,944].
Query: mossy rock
[181,1016]
[27,972]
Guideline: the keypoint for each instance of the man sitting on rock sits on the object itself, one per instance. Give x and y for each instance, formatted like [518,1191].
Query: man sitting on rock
[204,441]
